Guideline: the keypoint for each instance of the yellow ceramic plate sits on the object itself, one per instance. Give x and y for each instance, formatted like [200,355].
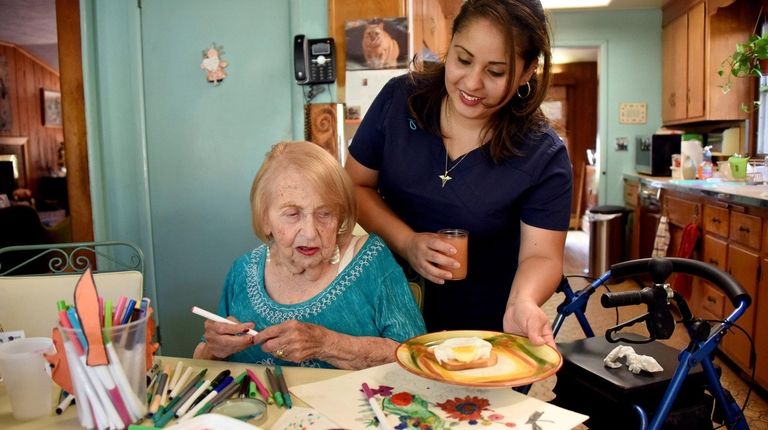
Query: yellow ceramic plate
[519,362]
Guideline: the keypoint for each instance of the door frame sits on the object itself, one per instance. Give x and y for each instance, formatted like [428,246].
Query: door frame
[73,118]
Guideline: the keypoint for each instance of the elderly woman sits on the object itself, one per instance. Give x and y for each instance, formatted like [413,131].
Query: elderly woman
[318,295]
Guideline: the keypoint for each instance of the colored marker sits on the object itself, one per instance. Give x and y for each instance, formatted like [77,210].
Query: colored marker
[213,317]
[262,389]
[275,387]
[283,386]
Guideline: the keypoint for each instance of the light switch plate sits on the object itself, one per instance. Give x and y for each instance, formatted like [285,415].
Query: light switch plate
[7,336]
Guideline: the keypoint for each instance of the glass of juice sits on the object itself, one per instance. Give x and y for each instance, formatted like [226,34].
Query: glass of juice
[459,238]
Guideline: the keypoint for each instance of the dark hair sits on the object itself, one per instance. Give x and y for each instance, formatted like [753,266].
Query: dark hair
[527,31]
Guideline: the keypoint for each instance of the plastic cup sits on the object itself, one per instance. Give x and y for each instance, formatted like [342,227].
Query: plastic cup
[26,375]
[738,167]
[460,239]
[122,382]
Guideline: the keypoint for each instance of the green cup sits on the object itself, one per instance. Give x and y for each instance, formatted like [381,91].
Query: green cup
[738,166]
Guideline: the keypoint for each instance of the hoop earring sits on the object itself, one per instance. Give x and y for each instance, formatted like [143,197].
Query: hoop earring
[528,93]
[336,257]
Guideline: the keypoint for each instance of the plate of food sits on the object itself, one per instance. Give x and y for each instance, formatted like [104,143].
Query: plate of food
[478,358]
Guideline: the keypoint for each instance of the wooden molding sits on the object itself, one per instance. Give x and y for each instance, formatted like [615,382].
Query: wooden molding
[73,115]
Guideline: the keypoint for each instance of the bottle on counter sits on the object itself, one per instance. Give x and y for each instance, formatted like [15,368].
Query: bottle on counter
[706,168]
[689,168]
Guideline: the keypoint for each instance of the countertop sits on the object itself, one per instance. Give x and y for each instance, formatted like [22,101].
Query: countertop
[737,192]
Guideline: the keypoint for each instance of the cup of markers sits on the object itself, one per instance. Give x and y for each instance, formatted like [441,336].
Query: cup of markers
[111,395]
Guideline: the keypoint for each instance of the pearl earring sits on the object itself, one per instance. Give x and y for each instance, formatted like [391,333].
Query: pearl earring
[336,257]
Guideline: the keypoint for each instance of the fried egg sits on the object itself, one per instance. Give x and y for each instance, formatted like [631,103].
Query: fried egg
[462,349]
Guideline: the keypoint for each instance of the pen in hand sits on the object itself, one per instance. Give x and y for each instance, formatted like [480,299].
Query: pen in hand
[213,317]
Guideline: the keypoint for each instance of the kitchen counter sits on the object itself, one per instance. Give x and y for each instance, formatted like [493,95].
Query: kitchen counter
[737,192]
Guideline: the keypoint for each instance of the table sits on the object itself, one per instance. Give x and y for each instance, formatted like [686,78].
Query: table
[68,420]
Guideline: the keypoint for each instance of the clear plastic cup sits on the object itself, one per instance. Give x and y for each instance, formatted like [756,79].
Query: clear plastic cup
[116,392]
[26,375]
[460,239]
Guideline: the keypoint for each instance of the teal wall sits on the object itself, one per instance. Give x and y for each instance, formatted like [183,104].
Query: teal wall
[630,71]
[172,157]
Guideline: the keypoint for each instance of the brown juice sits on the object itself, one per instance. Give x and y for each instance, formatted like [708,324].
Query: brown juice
[459,239]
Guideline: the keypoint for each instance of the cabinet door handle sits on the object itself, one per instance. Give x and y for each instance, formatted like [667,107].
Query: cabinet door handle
[715,262]
[744,229]
[716,220]
[711,299]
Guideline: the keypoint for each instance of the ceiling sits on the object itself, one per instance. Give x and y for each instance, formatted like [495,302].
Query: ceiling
[31,25]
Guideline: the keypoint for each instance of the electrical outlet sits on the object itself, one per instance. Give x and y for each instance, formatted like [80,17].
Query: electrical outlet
[7,336]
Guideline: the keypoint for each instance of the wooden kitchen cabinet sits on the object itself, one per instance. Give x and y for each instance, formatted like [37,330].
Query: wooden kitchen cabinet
[734,238]
[683,66]
[743,265]
[761,326]
[632,203]
[697,35]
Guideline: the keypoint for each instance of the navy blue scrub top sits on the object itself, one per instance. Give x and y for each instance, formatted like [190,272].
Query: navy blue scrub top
[487,199]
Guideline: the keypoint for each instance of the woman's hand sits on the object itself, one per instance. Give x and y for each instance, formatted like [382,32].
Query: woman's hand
[294,341]
[425,251]
[223,340]
[297,341]
[526,318]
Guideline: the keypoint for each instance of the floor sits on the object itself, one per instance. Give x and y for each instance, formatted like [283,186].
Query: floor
[577,251]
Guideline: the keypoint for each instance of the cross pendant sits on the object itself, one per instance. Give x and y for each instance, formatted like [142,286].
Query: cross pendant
[445,178]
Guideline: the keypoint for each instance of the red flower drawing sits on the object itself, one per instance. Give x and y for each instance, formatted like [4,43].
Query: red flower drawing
[401,399]
[466,409]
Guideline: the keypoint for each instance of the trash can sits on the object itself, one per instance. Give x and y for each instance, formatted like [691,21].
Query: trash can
[606,237]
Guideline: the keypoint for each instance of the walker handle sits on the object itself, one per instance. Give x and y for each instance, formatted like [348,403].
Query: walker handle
[710,273]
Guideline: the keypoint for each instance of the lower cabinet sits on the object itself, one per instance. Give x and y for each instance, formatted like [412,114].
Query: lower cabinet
[744,266]
[761,327]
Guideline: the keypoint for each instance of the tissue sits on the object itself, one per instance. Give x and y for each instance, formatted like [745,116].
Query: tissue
[635,362]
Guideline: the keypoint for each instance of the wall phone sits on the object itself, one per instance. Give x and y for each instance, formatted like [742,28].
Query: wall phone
[314,60]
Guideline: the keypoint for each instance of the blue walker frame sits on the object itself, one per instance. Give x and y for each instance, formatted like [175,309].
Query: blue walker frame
[697,352]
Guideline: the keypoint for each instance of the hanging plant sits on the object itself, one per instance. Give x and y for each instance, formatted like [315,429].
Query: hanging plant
[750,59]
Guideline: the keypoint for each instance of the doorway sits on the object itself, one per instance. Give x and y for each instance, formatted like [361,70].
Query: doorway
[572,107]
[42,82]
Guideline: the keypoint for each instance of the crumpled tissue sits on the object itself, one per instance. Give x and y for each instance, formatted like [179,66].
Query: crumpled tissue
[635,361]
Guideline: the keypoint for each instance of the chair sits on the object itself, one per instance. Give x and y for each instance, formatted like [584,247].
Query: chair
[28,301]
[679,397]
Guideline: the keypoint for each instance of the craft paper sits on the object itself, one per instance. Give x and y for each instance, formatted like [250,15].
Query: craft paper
[411,402]
[298,418]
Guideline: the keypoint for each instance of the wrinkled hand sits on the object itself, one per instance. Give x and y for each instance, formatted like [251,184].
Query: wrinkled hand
[424,251]
[527,319]
[295,341]
[223,340]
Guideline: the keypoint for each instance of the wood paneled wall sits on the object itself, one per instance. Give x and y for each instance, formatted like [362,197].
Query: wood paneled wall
[27,76]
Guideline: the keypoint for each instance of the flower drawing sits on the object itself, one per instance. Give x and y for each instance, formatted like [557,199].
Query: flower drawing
[466,409]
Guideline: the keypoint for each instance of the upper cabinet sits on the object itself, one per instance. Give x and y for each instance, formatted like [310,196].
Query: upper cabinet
[697,35]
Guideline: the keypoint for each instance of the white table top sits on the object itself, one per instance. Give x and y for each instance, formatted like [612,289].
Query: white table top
[68,420]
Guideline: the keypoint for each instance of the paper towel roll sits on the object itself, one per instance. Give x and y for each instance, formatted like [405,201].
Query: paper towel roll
[731,141]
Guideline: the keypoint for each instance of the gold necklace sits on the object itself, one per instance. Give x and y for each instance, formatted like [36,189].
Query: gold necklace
[445,177]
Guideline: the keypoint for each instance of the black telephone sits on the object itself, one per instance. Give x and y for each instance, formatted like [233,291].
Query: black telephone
[314,60]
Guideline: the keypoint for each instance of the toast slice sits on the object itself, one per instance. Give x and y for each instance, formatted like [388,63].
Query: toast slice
[474,364]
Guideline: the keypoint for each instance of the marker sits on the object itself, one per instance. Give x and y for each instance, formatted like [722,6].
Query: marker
[213,317]
[176,376]
[126,317]
[262,389]
[64,404]
[211,394]
[200,395]
[252,391]
[275,387]
[181,383]
[283,386]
